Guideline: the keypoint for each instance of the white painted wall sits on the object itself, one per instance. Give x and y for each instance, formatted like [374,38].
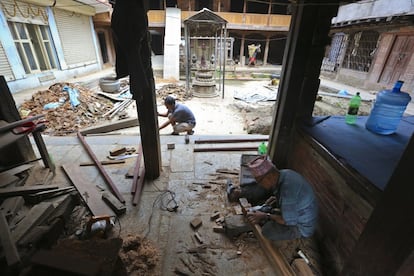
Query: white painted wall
[374,9]
[172,42]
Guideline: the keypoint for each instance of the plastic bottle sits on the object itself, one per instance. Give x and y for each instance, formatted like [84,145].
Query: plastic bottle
[352,114]
[388,110]
[262,149]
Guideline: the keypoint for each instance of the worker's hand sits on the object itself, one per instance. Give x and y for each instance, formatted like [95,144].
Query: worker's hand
[256,217]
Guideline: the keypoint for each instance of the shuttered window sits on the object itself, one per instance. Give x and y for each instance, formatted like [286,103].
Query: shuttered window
[75,32]
[361,50]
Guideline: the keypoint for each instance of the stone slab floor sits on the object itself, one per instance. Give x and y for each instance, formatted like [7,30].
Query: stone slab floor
[183,174]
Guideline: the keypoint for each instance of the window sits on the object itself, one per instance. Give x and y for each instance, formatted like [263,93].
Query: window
[34,45]
[360,51]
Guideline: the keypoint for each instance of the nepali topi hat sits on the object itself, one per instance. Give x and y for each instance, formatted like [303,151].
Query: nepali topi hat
[260,166]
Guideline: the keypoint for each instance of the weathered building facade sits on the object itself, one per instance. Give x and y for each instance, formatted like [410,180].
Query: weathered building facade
[372,44]
[43,42]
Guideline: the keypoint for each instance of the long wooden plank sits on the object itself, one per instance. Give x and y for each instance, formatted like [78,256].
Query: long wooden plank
[241,140]
[90,195]
[103,162]
[111,126]
[101,169]
[208,149]
[7,242]
[275,257]
[25,190]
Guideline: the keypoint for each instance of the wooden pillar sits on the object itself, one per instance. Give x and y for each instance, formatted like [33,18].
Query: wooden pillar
[266,52]
[387,240]
[242,61]
[134,59]
[304,51]
[269,12]
[21,150]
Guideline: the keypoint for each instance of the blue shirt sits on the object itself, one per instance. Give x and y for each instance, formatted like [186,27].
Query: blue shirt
[182,114]
[297,201]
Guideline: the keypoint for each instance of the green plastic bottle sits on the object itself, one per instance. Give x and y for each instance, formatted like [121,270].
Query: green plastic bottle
[262,149]
[352,114]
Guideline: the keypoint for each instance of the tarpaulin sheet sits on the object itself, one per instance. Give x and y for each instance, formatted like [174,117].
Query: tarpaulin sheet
[373,155]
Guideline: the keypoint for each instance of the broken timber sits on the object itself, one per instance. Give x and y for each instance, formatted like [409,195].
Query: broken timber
[106,177]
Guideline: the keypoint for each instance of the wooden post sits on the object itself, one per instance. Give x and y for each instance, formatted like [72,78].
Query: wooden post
[134,59]
[308,37]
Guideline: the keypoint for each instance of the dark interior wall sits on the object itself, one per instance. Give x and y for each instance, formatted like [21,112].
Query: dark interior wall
[236,6]
[154,4]
[157,42]
[343,212]
[171,3]
[276,49]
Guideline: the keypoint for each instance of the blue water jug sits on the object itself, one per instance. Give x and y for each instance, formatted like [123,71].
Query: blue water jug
[388,110]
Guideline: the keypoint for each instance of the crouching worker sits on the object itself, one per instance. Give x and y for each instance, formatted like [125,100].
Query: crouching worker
[179,116]
[290,209]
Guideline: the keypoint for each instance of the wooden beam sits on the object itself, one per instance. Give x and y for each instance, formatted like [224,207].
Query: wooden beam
[240,140]
[101,169]
[278,261]
[133,58]
[103,162]
[208,149]
[305,44]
